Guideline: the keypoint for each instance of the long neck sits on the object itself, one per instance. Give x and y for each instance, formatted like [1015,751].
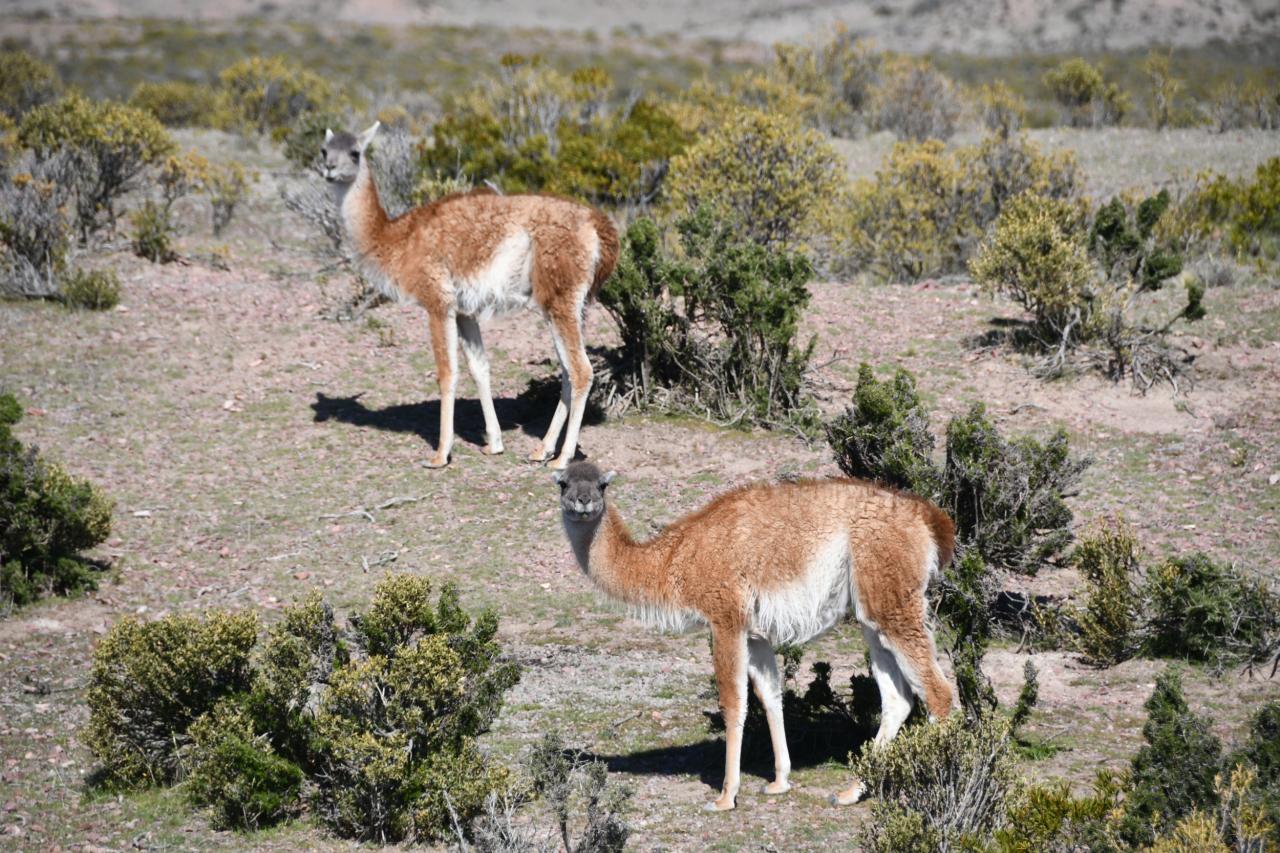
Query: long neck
[362,211]
[626,570]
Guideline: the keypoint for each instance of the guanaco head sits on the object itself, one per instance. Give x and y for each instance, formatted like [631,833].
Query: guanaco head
[341,152]
[582,488]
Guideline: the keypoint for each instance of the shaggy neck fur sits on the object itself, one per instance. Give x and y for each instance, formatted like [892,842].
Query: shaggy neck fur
[637,573]
[361,208]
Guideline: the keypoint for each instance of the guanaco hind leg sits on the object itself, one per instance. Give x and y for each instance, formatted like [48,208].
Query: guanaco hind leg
[762,666]
[478,364]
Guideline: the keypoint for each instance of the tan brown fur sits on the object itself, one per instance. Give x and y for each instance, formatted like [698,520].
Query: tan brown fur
[759,545]
[465,256]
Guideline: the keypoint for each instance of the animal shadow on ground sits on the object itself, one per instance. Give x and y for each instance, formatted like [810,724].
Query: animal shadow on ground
[814,737]
[531,411]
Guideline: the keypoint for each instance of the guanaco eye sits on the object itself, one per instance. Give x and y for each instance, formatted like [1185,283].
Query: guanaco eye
[355,156]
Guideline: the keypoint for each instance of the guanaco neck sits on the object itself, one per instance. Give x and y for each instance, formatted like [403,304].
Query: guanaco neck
[362,213]
[626,570]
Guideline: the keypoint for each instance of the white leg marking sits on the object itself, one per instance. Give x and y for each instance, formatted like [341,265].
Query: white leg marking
[478,364]
[762,666]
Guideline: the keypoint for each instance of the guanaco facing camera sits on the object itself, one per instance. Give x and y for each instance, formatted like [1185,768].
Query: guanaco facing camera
[769,564]
[469,256]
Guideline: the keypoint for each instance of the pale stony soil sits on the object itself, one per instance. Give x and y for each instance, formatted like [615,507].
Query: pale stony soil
[965,26]
[226,416]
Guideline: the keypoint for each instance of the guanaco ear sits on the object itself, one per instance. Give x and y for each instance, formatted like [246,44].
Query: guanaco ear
[328,134]
[607,478]
[366,137]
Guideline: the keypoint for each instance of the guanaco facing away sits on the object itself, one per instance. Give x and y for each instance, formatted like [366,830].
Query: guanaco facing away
[769,564]
[467,257]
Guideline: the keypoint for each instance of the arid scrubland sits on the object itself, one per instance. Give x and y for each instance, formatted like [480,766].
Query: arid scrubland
[237,610]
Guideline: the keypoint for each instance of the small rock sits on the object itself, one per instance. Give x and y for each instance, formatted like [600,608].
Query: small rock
[301,576]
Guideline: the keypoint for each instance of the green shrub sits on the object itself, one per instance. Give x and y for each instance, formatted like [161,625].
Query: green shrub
[1107,558]
[1048,818]
[768,174]
[48,517]
[177,103]
[1203,610]
[715,330]
[25,83]
[227,186]
[837,75]
[1164,91]
[153,233]
[1255,228]
[1086,99]
[111,145]
[1005,496]
[915,101]
[927,207]
[236,773]
[151,681]
[373,727]
[1173,774]
[964,607]
[937,787]
[1002,110]
[1079,284]
[270,95]
[534,129]
[93,290]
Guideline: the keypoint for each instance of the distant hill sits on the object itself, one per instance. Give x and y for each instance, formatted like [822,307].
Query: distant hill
[982,27]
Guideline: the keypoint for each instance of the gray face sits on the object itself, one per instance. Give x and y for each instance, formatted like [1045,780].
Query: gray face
[582,488]
[340,158]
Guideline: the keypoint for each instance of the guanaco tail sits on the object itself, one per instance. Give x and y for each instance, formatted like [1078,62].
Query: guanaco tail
[769,564]
[467,257]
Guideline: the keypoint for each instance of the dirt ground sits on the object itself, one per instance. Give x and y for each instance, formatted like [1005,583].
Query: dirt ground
[231,421]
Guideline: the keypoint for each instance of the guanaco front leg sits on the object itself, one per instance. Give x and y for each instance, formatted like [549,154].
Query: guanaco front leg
[729,654]
[762,665]
[444,343]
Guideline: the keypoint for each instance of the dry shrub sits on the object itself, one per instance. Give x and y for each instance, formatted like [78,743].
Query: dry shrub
[34,229]
[915,101]
[271,95]
[111,146]
[178,103]
[937,787]
[836,75]
[94,290]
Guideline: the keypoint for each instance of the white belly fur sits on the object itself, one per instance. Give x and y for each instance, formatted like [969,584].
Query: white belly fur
[812,605]
[504,285]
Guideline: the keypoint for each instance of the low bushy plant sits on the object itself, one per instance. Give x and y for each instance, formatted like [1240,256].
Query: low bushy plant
[837,76]
[1172,775]
[153,233]
[1086,98]
[1164,89]
[715,329]
[91,289]
[766,173]
[25,83]
[111,145]
[34,230]
[937,787]
[1203,610]
[271,95]
[235,772]
[373,726]
[227,187]
[151,681]
[927,207]
[178,103]
[47,518]
[531,128]
[1108,560]
[1005,496]
[915,101]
